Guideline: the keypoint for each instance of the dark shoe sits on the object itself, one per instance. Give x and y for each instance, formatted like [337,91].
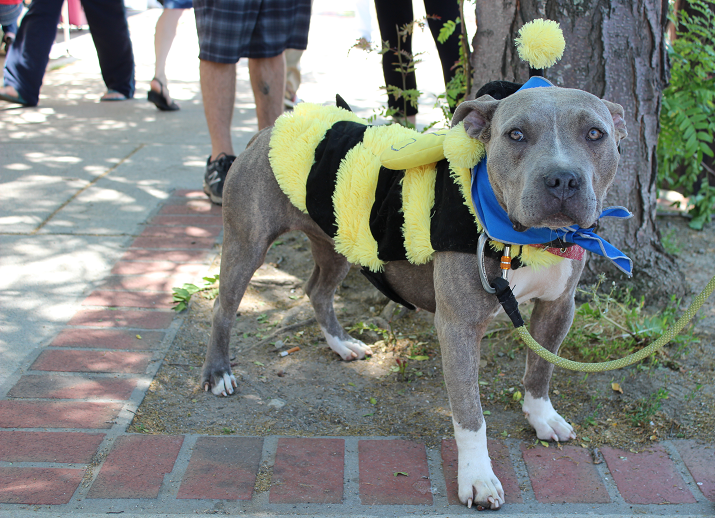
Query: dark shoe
[216,175]
[159,99]
[7,41]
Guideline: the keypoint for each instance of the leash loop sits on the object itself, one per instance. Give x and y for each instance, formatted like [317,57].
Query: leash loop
[509,303]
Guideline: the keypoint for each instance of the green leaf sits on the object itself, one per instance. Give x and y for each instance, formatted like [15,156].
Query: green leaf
[373,401]
[351,383]
[259,363]
[446,31]
[368,415]
[403,473]
[486,412]
[419,358]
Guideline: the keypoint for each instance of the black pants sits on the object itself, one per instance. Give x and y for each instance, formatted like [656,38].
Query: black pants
[27,58]
[392,14]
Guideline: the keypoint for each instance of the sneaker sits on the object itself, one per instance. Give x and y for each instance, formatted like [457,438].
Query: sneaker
[215,176]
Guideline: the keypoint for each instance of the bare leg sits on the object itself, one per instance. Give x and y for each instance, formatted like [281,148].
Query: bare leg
[163,38]
[268,80]
[218,87]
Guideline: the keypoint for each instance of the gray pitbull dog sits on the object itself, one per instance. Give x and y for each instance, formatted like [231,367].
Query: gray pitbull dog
[552,154]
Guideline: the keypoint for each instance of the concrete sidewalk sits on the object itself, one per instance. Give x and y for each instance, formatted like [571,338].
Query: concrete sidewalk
[101,214]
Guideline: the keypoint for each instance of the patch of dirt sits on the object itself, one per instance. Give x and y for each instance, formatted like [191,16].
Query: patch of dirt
[312,392]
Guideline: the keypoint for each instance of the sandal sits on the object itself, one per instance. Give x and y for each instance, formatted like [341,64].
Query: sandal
[159,99]
[119,96]
[17,99]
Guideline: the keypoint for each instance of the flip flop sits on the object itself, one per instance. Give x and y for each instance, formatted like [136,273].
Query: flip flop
[17,99]
[110,91]
[159,99]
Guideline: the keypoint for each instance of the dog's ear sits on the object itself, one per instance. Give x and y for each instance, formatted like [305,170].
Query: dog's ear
[477,116]
[617,113]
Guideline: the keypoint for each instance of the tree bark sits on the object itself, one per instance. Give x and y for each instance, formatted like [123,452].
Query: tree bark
[615,49]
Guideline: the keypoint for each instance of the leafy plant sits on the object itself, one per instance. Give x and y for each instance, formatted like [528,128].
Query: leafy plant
[645,408]
[183,295]
[688,114]
[614,324]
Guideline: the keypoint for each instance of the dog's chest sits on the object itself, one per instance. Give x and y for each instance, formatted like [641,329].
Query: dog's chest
[541,283]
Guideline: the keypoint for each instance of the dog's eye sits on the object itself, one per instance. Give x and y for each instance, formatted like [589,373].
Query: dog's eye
[594,134]
[516,134]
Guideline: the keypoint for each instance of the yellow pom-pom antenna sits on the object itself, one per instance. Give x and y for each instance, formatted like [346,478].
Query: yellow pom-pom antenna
[541,43]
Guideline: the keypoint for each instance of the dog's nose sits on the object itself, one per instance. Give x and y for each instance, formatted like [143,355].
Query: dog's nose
[562,184]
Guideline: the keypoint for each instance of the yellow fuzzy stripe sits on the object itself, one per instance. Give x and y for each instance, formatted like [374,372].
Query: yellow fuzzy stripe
[460,149]
[294,138]
[417,203]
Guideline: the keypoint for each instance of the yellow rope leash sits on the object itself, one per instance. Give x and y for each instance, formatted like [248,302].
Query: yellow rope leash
[631,358]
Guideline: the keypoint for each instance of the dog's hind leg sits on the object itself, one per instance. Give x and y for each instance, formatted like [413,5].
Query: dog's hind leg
[330,269]
[240,258]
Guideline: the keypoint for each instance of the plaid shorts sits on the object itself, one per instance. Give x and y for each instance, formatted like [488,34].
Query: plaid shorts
[232,29]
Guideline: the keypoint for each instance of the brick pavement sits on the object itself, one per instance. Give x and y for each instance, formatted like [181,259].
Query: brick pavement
[63,442]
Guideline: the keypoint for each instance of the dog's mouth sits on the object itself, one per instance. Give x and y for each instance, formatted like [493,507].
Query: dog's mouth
[554,222]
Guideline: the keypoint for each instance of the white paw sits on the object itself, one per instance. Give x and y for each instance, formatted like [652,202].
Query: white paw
[547,423]
[350,349]
[478,485]
[225,385]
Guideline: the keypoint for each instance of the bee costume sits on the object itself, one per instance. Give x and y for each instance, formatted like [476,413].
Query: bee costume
[388,193]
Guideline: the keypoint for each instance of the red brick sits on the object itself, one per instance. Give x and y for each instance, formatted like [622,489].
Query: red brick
[122,318]
[136,466]
[700,460]
[308,471]
[564,475]
[168,268]
[196,220]
[183,231]
[129,299]
[191,207]
[190,243]
[222,468]
[38,486]
[380,460]
[66,447]
[177,256]
[188,193]
[92,361]
[158,283]
[501,463]
[648,477]
[72,387]
[108,339]
[57,414]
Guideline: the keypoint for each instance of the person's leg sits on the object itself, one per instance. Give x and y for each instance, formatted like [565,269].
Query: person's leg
[163,38]
[391,15]
[449,50]
[292,57]
[107,21]
[27,58]
[268,83]
[218,88]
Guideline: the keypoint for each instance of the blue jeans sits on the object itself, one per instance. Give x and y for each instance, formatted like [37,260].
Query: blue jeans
[27,58]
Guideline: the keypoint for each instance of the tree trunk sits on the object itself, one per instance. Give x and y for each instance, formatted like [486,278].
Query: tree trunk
[615,50]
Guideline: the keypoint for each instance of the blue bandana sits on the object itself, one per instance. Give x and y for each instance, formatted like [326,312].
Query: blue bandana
[498,227]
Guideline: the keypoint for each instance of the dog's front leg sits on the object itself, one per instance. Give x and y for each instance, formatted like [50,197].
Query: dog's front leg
[463,312]
[550,322]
